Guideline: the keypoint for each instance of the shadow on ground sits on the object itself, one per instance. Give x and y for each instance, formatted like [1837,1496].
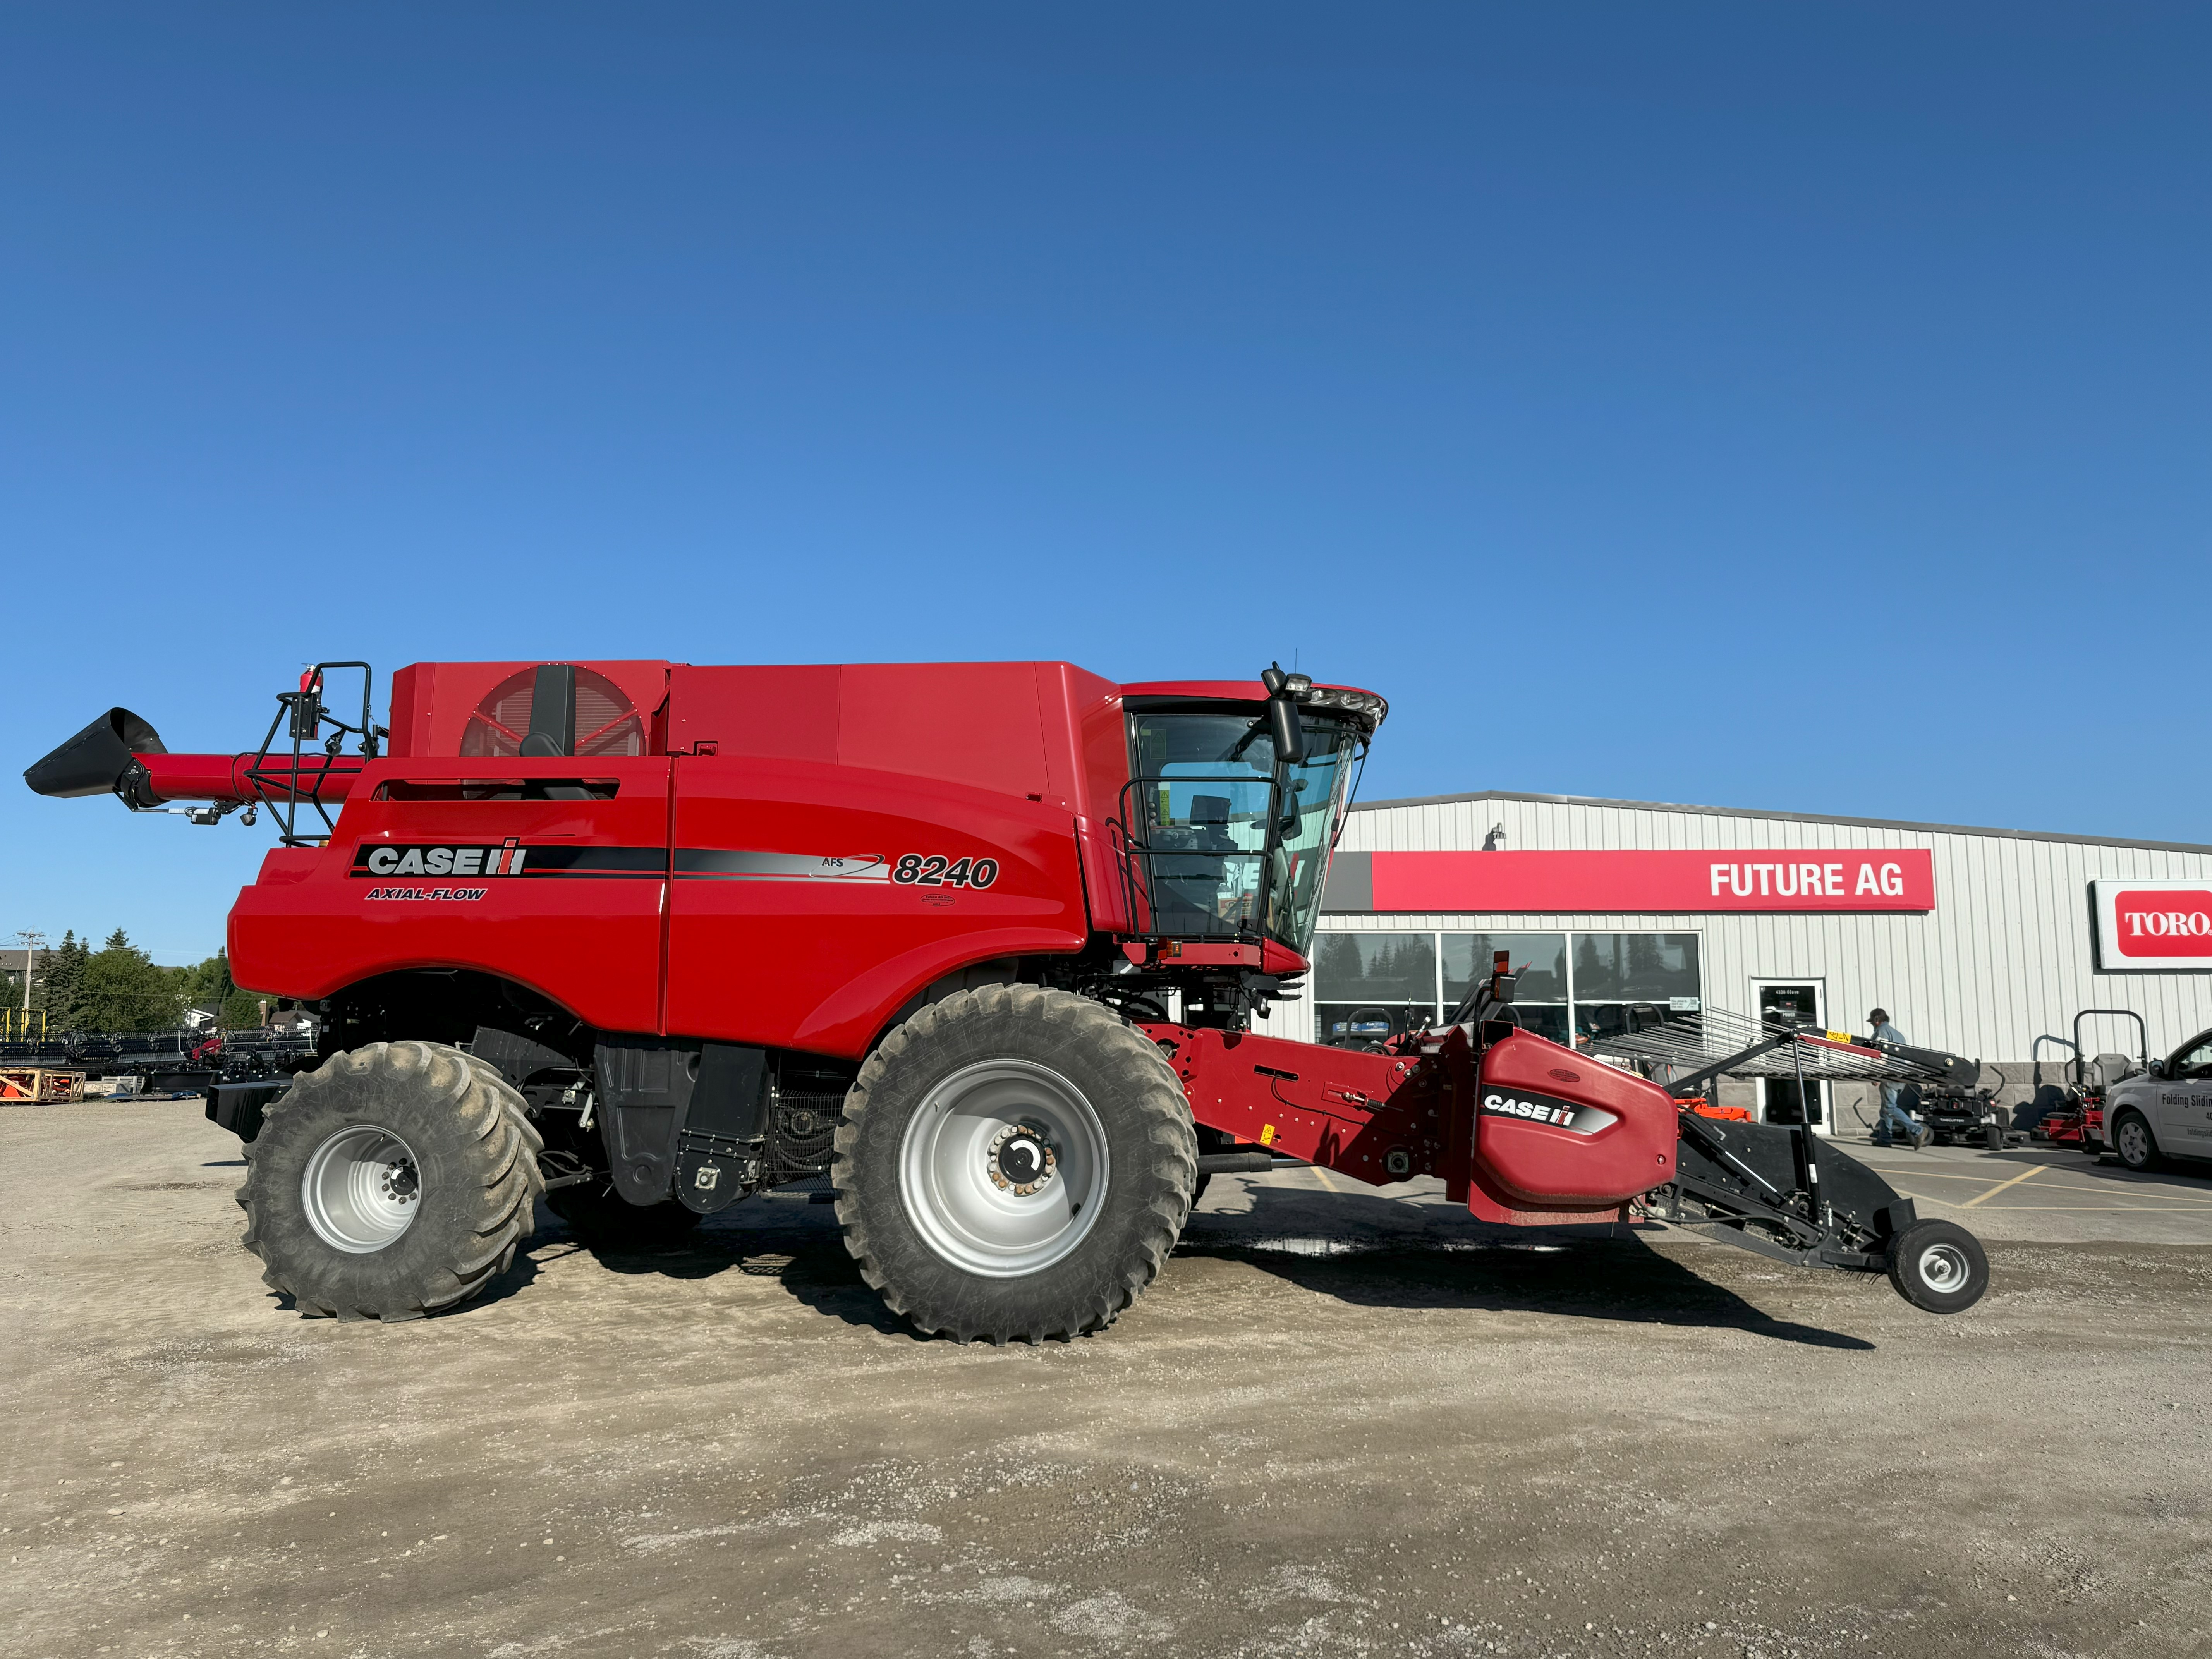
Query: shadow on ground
[1370,1259]
[1367,1257]
[798,1246]
[518,1277]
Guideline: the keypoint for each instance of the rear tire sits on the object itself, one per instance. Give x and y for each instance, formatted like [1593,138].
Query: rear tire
[2134,1143]
[1939,1265]
[395,1181]
[1014,1164]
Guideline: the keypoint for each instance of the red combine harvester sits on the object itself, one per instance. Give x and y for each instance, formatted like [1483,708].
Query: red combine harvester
[982,943]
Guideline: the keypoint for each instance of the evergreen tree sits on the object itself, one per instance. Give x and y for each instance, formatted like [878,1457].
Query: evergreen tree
[121,989]
[57,984]
[1337,968]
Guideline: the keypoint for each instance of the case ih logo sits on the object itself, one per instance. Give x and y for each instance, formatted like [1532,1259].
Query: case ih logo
[385,860]
[1570,1115]
[2171,923]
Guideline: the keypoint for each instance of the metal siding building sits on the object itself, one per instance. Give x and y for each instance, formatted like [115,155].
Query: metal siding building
[2007,953]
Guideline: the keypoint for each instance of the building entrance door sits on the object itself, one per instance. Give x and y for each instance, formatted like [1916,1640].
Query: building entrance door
[1794,1002]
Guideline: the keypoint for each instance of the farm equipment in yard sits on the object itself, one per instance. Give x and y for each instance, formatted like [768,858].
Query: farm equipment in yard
[1798,1179]
[1939,1088]
[2077,1118]
[982,943]
[172,1062]
[2052,1116]
[1958,1115]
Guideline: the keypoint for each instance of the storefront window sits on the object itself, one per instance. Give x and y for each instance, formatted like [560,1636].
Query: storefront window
[1625,979]
[1367,986]
[1540,959]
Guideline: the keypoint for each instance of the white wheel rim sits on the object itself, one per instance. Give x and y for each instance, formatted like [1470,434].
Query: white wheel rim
[2135,1142]
[361,1189]
[1943,1267]
[1003,1168]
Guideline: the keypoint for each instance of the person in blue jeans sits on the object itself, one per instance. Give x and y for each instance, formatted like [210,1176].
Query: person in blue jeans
[1895,1123]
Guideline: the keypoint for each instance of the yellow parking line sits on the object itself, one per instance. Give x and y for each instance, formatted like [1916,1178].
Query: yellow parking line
[1938,1174]
[2025,1175]
[1323,1176]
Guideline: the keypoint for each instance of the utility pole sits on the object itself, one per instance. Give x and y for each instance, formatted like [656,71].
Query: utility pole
[34,941]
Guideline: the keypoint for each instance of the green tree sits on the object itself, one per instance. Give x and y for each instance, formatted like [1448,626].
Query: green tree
[241,1011]
[56,987]
[122,990]
[205,984]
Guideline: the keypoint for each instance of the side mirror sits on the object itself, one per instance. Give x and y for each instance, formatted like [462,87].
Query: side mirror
[1284,726]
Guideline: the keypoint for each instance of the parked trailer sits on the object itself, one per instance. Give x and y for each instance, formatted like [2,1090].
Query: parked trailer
[983,943]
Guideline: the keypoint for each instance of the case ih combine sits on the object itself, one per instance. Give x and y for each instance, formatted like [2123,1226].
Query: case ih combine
[980,942]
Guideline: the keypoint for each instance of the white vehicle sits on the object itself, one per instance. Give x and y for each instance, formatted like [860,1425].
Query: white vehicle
[2165,1111]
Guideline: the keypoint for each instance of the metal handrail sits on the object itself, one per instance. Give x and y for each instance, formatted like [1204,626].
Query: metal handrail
[307,714]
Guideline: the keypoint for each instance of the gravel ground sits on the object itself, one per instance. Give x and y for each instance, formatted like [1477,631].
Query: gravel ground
[1342,1424]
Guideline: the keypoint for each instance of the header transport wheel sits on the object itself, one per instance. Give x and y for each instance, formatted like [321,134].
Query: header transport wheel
[1014,1164]
[392,1182]
[1939,1265]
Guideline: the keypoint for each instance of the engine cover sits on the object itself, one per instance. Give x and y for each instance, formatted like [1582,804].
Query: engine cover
[1553,1128]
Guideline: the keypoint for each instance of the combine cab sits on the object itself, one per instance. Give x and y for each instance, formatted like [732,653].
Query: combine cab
[982,943]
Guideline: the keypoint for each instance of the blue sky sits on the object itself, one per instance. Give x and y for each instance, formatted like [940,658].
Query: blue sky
[1798,407]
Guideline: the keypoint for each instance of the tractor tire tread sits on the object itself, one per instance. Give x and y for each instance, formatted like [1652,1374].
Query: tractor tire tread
[464,1114]
[1124,1066]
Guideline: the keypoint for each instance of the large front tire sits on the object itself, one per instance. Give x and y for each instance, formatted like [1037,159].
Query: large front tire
[1014,1164]
[395,1181]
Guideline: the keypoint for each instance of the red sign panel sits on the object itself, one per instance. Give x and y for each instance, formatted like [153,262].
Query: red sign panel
[2154,924]
[1901,878]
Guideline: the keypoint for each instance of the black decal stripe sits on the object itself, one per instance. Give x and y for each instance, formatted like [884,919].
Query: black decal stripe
[544,861]
[735,864]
